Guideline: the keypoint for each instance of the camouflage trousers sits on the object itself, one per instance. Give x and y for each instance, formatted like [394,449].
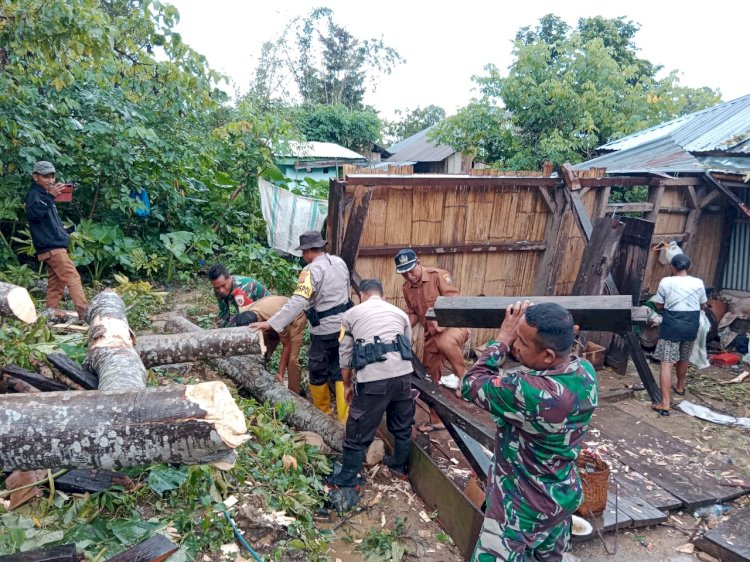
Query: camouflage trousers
[498,543]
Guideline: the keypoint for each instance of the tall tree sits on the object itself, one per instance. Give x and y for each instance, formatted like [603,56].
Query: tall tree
[326,62]
[570,91]
[353,128]
[411,121]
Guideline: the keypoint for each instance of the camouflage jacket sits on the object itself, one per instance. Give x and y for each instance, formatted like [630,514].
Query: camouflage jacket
[245,291]
[542,418]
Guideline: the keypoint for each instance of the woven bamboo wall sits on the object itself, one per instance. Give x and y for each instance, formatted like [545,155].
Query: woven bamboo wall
[401,216]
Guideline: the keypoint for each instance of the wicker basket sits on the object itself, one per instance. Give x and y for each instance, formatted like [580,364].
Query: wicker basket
[595,484]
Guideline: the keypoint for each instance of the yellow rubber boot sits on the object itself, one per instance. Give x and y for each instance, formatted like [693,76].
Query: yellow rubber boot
[342,408]
[321,397]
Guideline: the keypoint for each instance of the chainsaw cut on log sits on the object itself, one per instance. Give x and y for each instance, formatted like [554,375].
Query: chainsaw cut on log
[15,302]
[192,346]
[248,372]
[196,424]
[111,355]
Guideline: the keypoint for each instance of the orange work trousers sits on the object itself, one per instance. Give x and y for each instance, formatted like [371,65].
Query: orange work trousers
[61,273]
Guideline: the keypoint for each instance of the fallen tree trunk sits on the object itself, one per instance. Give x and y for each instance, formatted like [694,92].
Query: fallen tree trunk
[249,373]
[73,371]
[195,424]
[34,379]
[188,347]
[15,302]
[111,355]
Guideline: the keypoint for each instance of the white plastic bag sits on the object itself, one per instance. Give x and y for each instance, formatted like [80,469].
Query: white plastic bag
[668,252]
[699,356]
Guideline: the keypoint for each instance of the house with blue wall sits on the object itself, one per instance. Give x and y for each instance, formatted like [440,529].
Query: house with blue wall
[316,160]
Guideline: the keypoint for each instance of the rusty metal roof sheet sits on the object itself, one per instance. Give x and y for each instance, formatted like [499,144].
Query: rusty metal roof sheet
[660,155]
[418,148]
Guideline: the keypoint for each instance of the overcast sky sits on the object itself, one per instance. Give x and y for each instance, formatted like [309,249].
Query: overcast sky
[445,43]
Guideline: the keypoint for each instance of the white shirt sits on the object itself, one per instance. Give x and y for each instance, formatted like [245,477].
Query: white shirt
[681,293]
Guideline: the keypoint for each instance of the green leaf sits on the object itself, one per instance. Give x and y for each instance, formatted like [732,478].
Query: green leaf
[129,531]
[163,478]
[296,544]
[39,538]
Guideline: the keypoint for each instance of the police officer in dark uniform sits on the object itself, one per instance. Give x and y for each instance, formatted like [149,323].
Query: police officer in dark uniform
[376,346]
[323,293]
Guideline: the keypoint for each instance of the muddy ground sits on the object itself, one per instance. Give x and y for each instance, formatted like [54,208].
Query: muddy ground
[388,499]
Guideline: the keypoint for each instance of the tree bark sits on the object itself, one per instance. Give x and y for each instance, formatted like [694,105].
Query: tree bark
[196,424]
[111,355]
[249,373]
[185,348]
[15,302]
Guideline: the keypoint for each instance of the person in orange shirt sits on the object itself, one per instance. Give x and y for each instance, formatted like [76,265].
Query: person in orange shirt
[291,337]
[422,286]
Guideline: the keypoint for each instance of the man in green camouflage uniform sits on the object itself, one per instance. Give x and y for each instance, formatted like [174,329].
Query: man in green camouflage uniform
[542,416]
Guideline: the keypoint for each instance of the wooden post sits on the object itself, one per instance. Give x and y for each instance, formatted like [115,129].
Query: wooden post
[335,217]
[655,193]
[555,239]
[598,257]
[728,193]
[357,217]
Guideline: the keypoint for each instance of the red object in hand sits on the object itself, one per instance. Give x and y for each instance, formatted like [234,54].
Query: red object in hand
[725,359]
[66,194]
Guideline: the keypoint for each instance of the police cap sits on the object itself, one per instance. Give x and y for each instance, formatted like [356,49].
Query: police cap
[406,260]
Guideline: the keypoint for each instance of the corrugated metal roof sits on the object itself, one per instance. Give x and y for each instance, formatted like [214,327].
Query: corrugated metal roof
[723,127]
[315,149]
[417,148]
[660,155]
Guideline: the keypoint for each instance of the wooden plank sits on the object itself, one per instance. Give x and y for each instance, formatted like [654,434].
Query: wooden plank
[676,210]
[598,257]
[449,180]
[605,313]
[335,217]
[654,197]
[673,465]
[602,200]
[570,178]
[688,180]
[726,245]
[640,511]
[730,541]
[656,238]
[545,193]
[353,234]
[613,181]
[633,345]
[81,481]
[34,379]
[634,484]
[555,238]
[155,549]
[729,194]
[520,246]
[709,198]
[629,207]
[73,370]
[64,553]
[692,197]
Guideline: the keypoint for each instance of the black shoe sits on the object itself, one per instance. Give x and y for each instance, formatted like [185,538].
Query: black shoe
[399,462]
[345,475]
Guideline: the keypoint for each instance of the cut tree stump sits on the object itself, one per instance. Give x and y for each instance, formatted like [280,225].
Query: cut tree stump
[73,371]
[111,355]
[188,347]
[248,372]
[196,424]
[34,379]
[15,302]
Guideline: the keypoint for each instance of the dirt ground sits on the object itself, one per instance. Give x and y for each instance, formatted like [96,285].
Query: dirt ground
[387,498]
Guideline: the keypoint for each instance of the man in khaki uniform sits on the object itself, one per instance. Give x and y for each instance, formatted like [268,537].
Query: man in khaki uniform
[323,294]
[291,337]
[422,287]
[376,346]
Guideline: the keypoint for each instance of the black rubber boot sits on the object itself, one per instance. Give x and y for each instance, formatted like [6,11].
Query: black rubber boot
[346,474]
[399,462]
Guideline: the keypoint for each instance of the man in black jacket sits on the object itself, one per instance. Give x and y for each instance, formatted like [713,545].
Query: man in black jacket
[51,239]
